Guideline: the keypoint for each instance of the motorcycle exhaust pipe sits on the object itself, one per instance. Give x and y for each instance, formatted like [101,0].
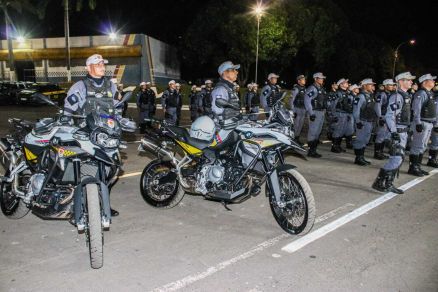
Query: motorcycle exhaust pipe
[163,153]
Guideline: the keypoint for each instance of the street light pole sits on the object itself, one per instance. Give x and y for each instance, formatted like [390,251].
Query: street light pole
[411,42]
[67,39]
[259,16]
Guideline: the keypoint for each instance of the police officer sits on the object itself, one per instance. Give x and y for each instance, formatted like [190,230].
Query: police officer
[424,117]
[353,91]
[364,111]
[296,103]
[95,85]
[340,108]
[224,89]
[170,103]
[145,103]
[270,93]
[119,96]
[398,120]
[433,147]
[237,90]
[205,96]
[315,102]
[180,99]
[193,103]
[382,131]
[331,96]
[252,101]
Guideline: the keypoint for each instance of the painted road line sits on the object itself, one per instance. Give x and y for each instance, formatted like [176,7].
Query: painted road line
[130,174]
[324,230]
[179,284]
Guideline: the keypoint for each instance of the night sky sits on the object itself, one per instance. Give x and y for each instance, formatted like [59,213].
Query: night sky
[167,20]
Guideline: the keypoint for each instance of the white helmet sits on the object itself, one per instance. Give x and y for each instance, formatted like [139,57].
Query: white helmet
[203,128]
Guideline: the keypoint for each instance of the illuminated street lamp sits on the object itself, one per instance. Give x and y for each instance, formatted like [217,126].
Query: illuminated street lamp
[20,39]
[112,35]
[411,42]
[258,11]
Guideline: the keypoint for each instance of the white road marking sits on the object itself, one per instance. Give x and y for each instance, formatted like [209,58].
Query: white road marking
[173,286]
[314,235]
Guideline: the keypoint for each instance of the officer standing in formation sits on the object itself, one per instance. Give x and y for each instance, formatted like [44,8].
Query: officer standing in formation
[296,103]
[81,96]
[331,96]
[340,108]
[424,118]
[364,112]
[270,93]
[433,147]
[354,90]
[170,102]
[398,120]
[315,101]
[193,103]
[382,131]
[224,89]
[205,97]
[145,103]
[252,101]
[180,99]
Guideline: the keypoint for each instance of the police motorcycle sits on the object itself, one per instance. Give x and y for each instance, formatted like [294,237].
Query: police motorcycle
[60,171]
[229,166]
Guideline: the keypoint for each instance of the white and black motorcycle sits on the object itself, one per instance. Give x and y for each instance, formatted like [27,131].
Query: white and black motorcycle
[228,166]
[61,171]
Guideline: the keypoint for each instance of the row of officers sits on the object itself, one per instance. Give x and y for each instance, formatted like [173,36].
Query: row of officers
[397,114]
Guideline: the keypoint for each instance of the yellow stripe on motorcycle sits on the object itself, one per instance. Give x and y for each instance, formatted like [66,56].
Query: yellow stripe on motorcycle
[29,155]
[189,148]
[53,92]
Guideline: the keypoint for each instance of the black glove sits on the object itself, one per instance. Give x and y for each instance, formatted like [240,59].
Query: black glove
[381,122]
[435,129]
[335,119]
[312,118]
[419,128]
[395,136]
[359,125]
[295,115]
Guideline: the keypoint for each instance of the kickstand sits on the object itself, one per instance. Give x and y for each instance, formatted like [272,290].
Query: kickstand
[225,206]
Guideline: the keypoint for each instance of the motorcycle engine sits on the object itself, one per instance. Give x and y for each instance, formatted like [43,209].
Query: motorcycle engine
[34,186]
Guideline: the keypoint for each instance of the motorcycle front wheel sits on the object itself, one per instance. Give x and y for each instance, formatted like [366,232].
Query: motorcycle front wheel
[159,185]
[94,233]
[12,206]
[295,213]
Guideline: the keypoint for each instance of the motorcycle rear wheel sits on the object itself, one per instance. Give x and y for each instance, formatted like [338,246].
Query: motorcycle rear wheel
[297,215]
[95,235]
[159,185]
[12,206]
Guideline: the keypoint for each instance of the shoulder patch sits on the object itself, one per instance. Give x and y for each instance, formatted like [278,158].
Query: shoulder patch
[72,99]
[393,107]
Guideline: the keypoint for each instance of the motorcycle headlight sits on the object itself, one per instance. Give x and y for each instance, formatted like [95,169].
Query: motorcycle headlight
[104,140]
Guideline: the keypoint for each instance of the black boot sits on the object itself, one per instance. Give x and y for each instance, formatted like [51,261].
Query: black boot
[414,167]
[433,162]
[380,182]
[114,213]
[142,128]
[363,156]
[389,180]
[312,149]
[349,142]
[359,157]
[336,145]
[378,151]
[420,160]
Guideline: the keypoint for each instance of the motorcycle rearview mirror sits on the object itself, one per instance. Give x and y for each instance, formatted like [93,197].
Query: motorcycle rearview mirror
[46,99]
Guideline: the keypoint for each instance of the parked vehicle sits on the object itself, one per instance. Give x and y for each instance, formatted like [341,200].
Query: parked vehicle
[9,91]
[52,91]
[229,171]
[62,171]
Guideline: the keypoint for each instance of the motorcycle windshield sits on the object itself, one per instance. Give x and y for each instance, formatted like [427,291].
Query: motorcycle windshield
[101,113]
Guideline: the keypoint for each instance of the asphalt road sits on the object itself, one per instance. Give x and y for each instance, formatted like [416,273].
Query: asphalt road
[362,241]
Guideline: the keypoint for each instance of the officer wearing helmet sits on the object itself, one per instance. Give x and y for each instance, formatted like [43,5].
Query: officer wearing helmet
[145,103]
[270,93]
[82,96]
[398,119]
[296,103]
[170,102]
[340,107]
[424,108]
[193,103]
[315,101]
[353,91]
[224,89]
[205,98]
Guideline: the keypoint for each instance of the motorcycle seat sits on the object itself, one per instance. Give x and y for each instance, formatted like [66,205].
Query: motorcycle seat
[44,125]
[184,136]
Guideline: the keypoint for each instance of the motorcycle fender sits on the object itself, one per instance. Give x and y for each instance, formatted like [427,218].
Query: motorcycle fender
[273,182]
[79,199]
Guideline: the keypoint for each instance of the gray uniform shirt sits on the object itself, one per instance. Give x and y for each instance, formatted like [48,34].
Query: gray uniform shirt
[395,105]
[77,94]
[311,92]
[420,97]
